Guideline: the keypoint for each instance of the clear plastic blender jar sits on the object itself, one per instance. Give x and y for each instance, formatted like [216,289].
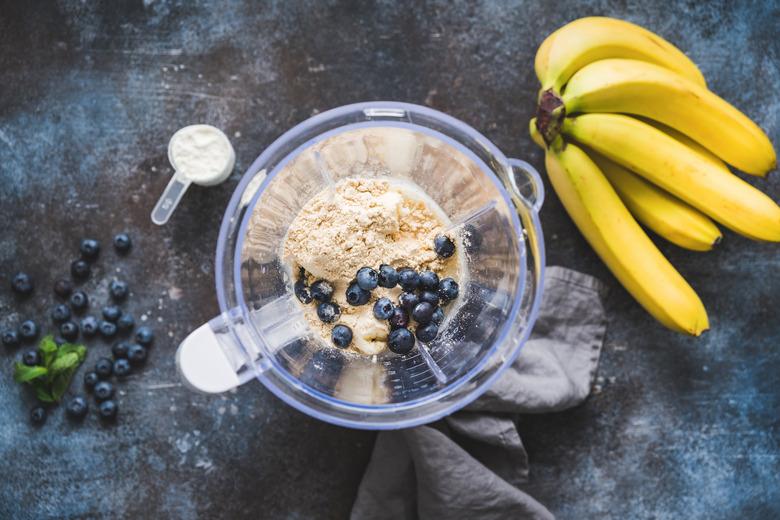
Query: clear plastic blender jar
[261,332]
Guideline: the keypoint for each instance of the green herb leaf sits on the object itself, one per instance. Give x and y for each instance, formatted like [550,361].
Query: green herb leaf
[51,381]
[60,384]
[24,374]
[69,348]
[43,394]
[48,350]
[64,362]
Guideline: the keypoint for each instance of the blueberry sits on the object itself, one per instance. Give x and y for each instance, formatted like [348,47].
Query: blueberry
[111,313]
[31,358]
[408,279]
[90,249]
[341,336]
[427,333]
[77,407]
[89,326]
[125,323]
[388,276]
[22,283]
[38,415]
[357,296]
[28,330]
[443,246]
[399,319]
[383,309]
[104,368]
[118,290]
[423,313]
[10,338]
[302,292]
[136,354]
[69,331]
[103,390]
[122,243]
[59,341]
[120,349]
[63,288]
[321,291]
[328,312]
[79,300]
[144,336]
[438,316]
[301,275]
[367,278]
[448,289]
[400,341]
[408,300]
[107,410]
[107,329]
[79,269]
[429,280]
[121,367]
[90,380]
[60,313]
[430,297]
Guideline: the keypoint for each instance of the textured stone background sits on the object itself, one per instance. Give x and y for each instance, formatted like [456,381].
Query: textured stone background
[90,94]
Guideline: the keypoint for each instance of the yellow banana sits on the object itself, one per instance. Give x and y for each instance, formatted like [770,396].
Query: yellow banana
[594,38]
[679,170]
[660,211]
[636,87]
[535,136]
[687,141]
[616,237]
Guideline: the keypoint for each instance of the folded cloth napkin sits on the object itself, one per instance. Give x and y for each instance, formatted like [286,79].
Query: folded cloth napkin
[470,465]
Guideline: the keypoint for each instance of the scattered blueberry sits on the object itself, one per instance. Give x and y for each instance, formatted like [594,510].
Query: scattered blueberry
[443,246]
[122,243]
[69,331]
[121,367]
[59,341]
[341,336]
[89,326]
[367,278]
[321,291]
[388,276]
[103,390]
[144,336]
[107,410]
[38,415]
[120,349]
[136,354]
[427,333]
[357,296]
[383,309]
[10,338]
[448,289]
[90,249]
[79,269]
[22,283]
[28,330]
[429,280]
[125,323]
[302,292]
[328,312]
[111,313]
[60,313]
[77,407]
[408,279]
[408,300]
[118,290]
[63,288]
[107,329]
[31,358]
[79,301]
[90,380]
[399,318]
[400,341]
[438,316]
[103,368]
[430,297]
[423,313]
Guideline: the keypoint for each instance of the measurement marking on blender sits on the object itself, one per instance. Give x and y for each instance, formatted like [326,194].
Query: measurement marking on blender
[474,215]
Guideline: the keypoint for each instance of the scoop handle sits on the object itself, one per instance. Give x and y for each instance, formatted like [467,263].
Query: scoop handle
[169,199]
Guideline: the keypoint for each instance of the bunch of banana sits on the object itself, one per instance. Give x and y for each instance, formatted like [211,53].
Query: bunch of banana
[631,133]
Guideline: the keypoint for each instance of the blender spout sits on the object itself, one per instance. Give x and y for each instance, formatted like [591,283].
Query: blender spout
[524,184]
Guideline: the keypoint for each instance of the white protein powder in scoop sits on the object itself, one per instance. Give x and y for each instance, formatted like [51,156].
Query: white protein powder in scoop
[202,154]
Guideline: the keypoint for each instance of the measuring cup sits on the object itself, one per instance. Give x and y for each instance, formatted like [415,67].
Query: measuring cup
[493,204]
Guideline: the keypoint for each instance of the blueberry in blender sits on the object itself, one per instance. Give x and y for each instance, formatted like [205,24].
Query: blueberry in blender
[430,297]
[388,276]
[321,291]
[438,316]
[400,341]
[429,281]
[341,335]
[408,300]
[22,284]
[357,296]
[328,312]
[408,279]
[448,289]
[399,319]
[367,278]
[422,313]
[443,246]
[302,292]
[427,333]
[383,309]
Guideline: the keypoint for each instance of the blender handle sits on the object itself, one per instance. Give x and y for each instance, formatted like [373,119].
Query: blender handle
[526,184]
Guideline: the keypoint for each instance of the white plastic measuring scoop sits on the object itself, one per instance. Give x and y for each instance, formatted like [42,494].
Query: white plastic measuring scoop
[198,153]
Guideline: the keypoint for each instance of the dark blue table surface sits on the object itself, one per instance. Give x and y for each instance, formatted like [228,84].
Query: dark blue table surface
[90,94]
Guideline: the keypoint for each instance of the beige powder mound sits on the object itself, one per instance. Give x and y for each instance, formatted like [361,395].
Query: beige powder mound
[358,223]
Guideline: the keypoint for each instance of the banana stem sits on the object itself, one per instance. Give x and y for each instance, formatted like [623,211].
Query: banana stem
[550,113]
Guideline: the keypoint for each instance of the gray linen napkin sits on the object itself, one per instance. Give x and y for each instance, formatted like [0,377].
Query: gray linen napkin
[470,464]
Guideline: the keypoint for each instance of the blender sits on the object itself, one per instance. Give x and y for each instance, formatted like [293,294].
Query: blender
[492,202]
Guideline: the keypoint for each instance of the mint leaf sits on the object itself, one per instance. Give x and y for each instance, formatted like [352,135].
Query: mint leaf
[60,384]
[51,381]
[69,348]
[43,394]
[64,362]
[48,350]
[25,374]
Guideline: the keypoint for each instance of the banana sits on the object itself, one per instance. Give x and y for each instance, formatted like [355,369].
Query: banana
[665,214]
[687,141]
[616,237]
[594,38]
[679,170]
[645,89]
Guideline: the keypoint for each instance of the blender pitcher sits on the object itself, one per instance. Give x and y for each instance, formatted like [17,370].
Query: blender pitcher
[492,203]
